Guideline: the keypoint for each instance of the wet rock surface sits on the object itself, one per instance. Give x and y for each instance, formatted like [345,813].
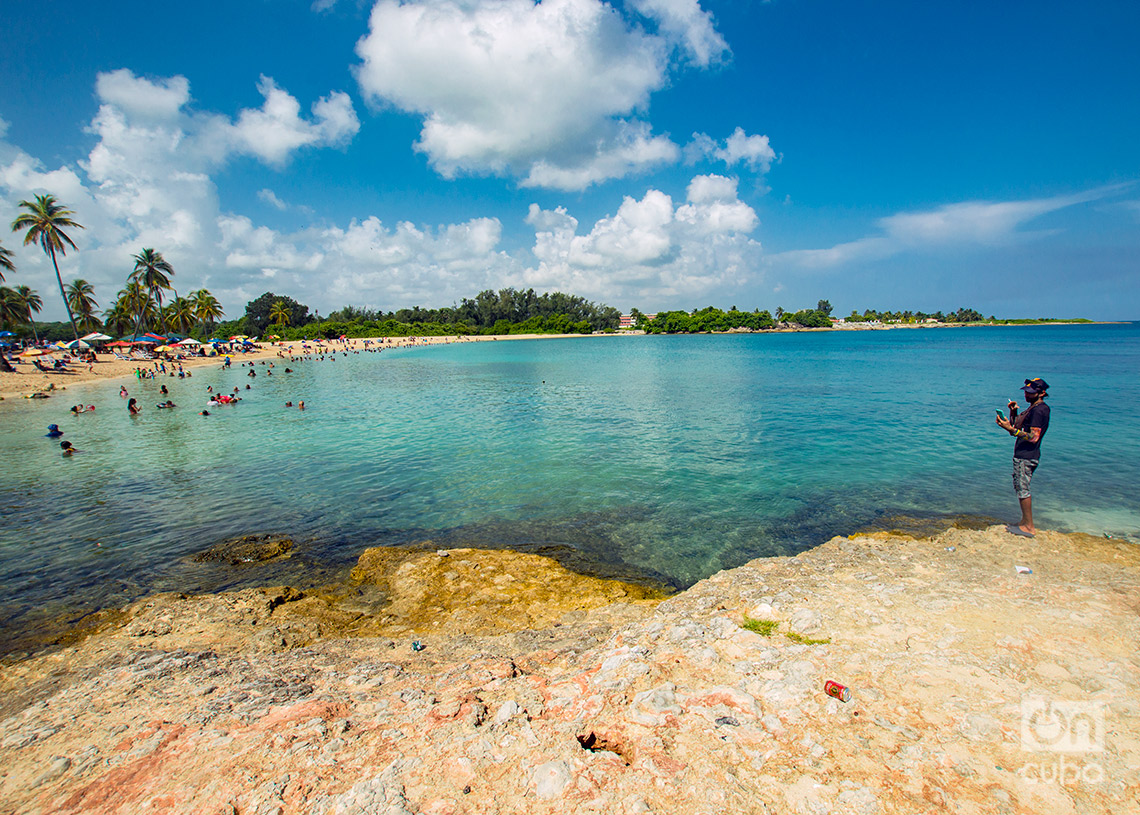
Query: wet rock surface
[246,550]
[540,694]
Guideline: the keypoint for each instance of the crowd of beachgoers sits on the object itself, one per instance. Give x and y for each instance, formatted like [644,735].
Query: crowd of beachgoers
[46,375]
[152,372]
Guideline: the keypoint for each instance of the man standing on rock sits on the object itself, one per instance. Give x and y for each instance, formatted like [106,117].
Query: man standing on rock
[1028,429]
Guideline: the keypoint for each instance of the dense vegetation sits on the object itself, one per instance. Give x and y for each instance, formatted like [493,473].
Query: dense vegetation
[713,319]
[506,311]
[962,315]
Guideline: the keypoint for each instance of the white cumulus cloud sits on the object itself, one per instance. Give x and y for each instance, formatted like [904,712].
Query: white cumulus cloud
[136,96]
[739,148]
[633,149]
[691,25]
[549,92]
[147,181]
[275,130]
[651,246]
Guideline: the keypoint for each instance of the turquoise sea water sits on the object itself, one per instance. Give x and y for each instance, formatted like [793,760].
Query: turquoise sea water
[663,457]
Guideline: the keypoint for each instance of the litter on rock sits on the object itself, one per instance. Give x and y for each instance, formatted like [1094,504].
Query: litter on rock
[840,692]
[1023,570]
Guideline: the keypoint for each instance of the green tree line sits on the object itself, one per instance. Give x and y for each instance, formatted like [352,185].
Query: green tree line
[710,319]
[507,311]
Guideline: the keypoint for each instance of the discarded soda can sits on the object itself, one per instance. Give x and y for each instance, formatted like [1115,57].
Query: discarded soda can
[417,645]
[840,692]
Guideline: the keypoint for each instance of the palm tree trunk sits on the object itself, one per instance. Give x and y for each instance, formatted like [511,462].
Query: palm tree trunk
[63,294]
[32,323]
[138,320]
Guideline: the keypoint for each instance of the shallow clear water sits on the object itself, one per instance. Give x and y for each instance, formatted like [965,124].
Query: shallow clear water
[666,457]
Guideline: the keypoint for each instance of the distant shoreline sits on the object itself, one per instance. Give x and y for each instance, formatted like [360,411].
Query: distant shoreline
[15,387]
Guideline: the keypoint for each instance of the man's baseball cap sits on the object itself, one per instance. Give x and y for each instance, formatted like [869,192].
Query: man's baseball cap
[1037,385]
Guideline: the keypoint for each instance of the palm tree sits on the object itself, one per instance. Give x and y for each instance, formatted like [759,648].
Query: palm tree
[179,315]
[81,301]
[32,304]
[11,314]
[134,298]
[206,307]
[119,318]
[11,309]
[45,221]
[279,313]
[153,273]
[6,263]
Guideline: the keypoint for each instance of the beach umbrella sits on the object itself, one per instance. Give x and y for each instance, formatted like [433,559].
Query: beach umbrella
[95,336]
[189,341]
[165,348]
[76,344]
[40,352]
[6,334]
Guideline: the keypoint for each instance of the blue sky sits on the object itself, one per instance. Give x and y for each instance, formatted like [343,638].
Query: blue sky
[652,154]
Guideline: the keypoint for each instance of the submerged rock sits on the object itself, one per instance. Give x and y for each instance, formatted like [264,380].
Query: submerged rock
[247,549]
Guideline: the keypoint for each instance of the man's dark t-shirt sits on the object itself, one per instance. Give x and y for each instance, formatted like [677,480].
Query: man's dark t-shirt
[1035,416]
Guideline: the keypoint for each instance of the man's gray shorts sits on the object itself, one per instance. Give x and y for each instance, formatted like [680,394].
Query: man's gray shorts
[1022,473]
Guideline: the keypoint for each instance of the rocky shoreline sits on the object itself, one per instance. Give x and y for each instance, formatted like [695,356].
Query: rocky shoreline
[471,681]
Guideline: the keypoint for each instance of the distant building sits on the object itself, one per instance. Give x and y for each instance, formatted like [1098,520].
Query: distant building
[627,320]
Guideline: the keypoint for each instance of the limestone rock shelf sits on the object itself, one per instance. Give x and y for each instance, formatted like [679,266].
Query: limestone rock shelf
[538,690]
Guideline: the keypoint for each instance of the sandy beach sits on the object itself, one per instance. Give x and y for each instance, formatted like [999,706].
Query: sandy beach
[29,380]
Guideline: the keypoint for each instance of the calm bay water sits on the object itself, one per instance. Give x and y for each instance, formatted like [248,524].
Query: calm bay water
[661,457]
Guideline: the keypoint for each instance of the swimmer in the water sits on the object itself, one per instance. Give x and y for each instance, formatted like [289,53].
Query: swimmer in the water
[53,432]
